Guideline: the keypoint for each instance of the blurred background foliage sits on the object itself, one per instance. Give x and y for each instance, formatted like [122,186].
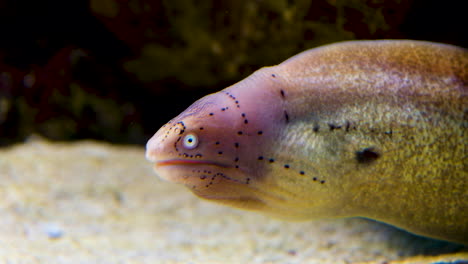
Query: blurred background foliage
[117,70]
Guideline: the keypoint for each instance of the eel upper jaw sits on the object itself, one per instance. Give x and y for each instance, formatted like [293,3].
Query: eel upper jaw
[184,162]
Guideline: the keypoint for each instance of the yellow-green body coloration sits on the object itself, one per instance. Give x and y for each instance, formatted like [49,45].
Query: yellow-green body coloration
[375,129]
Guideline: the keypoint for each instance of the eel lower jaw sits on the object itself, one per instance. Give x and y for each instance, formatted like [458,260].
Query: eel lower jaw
[234,190]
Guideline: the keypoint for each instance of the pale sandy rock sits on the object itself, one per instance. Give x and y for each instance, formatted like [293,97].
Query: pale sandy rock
[91,202]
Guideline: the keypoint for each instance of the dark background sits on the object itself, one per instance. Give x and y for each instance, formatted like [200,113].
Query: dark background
[117,70]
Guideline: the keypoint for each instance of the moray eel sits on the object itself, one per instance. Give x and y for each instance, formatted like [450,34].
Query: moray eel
[373,129]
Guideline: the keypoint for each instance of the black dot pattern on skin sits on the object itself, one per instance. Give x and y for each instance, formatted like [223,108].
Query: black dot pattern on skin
[208,175]
[232,97]
[273,75]
[389,133]
[175,143]
[210,178]
[333,127]
[316,128]
[347,125]
[288,166]
[286,116]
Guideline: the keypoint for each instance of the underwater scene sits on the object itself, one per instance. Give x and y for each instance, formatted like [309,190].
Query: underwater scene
[266,131]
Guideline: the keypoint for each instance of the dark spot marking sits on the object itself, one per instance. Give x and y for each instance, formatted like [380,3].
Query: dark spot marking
[175,144]
[247,181]
[236,159]
[246,121]
[322,181]
[220,152]
[315,178]
[217,143]
[271,160]
[237,166]
[202,177]
[260,132]
[347,126]
[286,116]
[389,133]
[273,75]
[316,128]
[286,166]
[243,114]
[260,158]
[367,155]
[237,102]
[236,145]
[282,94]
[198,155]
[222,109]
[211,114]
[201,128]
[239,133]
[182,124]
[333,127]
[301,172]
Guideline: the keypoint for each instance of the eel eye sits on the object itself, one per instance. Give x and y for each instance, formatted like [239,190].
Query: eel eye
[190,141]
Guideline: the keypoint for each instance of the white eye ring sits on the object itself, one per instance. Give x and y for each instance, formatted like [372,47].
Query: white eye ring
[190,141]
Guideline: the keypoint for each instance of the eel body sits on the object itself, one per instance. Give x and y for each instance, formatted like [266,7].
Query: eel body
[373,129]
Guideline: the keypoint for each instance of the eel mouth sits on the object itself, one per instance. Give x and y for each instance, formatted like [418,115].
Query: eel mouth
[185,162]
[192,172]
